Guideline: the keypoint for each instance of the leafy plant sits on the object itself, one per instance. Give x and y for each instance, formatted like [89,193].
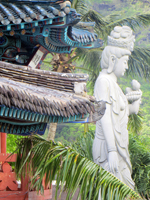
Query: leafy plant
[83,144]
[11,142]
[140,159]
[135,123]
[70,168]
[139,155]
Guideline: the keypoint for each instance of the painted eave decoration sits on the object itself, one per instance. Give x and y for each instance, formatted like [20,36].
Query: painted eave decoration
[47,23]
[31,98]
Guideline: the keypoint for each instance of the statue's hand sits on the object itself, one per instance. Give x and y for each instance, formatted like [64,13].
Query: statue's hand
[113,162]
[133,94]
[135,106]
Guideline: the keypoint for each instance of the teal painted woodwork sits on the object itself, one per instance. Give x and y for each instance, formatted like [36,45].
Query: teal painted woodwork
[44,23]
[22,122]
[24,129]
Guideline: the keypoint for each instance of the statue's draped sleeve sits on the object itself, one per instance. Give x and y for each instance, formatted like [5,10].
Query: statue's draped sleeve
[102,90]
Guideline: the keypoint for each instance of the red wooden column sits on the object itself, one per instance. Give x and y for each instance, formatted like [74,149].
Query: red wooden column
[3,142]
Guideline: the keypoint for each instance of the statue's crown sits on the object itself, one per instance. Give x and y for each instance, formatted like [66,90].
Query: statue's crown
[122,37]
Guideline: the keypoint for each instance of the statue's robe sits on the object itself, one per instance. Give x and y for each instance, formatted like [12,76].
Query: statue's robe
[119,116]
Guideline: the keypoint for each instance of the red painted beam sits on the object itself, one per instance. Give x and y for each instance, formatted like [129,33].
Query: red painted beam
[14,195]
[4,157]
[3,142]
[25,195]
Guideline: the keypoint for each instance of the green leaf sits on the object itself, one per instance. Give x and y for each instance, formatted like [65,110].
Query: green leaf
[71,168]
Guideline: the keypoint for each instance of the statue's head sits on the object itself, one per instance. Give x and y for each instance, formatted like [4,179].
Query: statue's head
[116,54]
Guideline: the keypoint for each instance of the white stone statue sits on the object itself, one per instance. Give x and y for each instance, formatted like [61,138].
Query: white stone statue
[110,147]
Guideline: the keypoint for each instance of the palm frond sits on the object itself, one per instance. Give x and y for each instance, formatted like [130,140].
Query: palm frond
[139,62]
[91,61]
[104,25]
[100,22]
[140,159]
[134,21]
[81,6]
[84,143]
[69,168]
[135,123]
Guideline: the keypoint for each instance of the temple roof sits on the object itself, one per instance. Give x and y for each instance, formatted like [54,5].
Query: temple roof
[15,13]
[31,98]
[43,78]
[36,96]
[49,24]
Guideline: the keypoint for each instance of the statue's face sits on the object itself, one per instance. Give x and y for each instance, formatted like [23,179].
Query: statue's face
[121,64]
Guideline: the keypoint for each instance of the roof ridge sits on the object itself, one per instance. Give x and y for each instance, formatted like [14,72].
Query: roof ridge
[43,72]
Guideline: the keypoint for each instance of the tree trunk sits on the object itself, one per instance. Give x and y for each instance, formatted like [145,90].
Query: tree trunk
[52,131]
[86,128]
